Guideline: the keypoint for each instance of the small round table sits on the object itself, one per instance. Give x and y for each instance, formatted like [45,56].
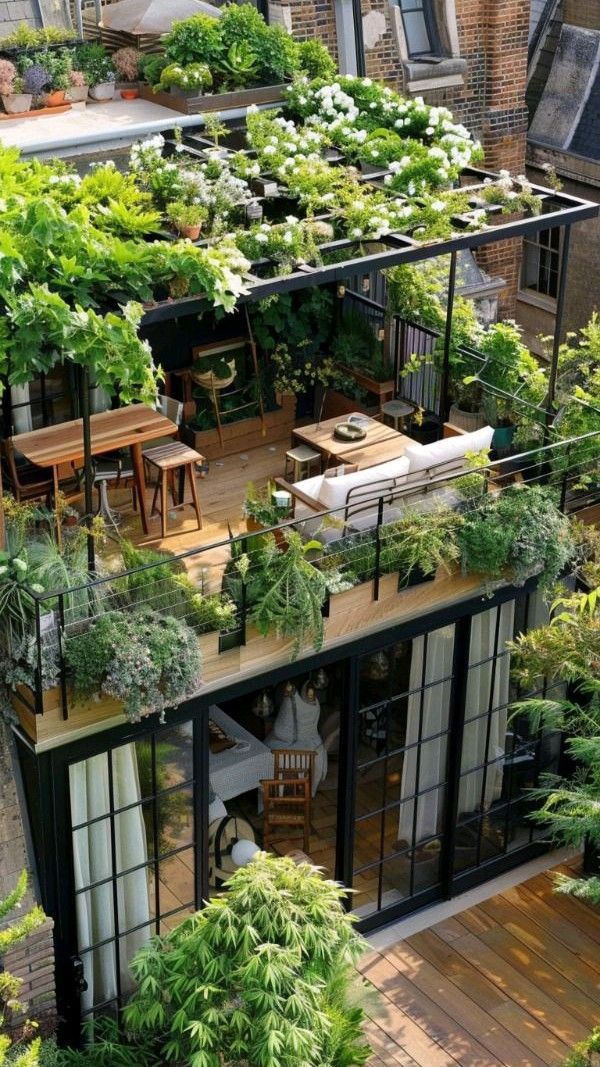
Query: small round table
[397,410]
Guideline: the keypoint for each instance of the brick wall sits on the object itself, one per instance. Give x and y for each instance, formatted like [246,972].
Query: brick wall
[493,36]
[31,960]
[14,11]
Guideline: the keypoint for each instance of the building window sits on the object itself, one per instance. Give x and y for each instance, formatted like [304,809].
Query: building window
[541,263]
[419,28]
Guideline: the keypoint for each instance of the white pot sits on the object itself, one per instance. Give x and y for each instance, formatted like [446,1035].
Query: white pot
[76,94]
[17,103]
[102,91]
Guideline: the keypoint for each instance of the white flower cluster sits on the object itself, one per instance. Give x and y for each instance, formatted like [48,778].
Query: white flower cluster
[145,154]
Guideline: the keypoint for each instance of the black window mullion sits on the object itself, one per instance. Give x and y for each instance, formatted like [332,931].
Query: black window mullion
[418,762]
[488,732]
[115,892]
[156,833]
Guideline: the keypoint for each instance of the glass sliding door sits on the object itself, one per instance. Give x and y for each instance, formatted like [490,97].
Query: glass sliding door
[502,758]
[402,773]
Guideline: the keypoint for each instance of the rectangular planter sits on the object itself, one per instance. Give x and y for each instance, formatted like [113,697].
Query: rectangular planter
[190,104]
[245,434]
[383,390]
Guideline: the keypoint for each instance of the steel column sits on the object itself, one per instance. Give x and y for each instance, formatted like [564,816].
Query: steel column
[558,321]
[84,381]
[445,388]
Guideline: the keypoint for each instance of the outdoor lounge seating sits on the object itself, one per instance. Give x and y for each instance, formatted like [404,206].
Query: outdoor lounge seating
[356,494]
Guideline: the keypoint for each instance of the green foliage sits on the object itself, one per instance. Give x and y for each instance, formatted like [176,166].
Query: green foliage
[581,1056]
[519,529]
[151,66]
[568,650]
[511,368]
[315,60]
[355,345]
[95,63]
[260,506]
[23,1053]
[26,36]
[262,976]
[150,662]
[286,592]
[193,76]
[294,318]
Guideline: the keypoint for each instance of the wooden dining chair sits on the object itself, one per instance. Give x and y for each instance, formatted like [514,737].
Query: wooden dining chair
[294,763]
[286,804]
[26,480]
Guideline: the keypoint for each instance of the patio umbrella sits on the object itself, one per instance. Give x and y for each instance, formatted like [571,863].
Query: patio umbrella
[152,16]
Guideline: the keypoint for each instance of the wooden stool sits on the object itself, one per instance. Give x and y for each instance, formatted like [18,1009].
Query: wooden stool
[397,411]
[302,457]
[167,459]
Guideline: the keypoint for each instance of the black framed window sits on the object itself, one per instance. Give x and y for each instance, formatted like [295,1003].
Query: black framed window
[133,831]
[420,28]
[541,263]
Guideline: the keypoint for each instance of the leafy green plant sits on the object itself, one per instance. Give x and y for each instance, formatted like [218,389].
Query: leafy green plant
[356,346]
[192,76]
[183,215]
[519,529]
[510,368]
[22,1053]
[94,61]
[286,592]
[585,1054]
[26,36]
[276,985]
[150,662]
[568,650]
[151,66]
[260,506]
[315,60]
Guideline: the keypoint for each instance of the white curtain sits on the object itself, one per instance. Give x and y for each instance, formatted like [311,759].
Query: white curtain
[21,417]
[479,690]
[92,859]
[432,761]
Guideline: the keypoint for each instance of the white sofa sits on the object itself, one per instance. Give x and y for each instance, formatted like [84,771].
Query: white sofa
[355,495]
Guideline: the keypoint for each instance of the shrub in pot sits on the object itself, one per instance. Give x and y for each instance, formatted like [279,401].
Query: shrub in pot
[126,62]
[194,78]
[35,78]
[187,219]
[78,88]
[58,66]
[12,89]
[98,70]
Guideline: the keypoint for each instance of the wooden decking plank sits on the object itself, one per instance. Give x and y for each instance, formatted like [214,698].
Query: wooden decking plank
[411,997]
[401,1031]
[542,942]
[569,907]
[463,1013]
[523,974]
[460,970]
[566,931]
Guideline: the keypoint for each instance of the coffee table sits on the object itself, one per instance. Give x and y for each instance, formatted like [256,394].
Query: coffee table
[380,444]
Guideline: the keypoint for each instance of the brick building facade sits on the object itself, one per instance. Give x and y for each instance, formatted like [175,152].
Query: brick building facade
[490,37]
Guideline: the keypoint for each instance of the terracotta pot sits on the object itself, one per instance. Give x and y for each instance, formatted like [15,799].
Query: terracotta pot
[54,99]
[17,103]
[76,94]
[102,91]
[193,232]
[129,94]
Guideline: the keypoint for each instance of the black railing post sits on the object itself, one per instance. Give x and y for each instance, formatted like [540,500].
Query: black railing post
[565,481]
[39,672]
[445,390]
[378,548]
[84,381]
[61,654]
[558,327]
[243,606]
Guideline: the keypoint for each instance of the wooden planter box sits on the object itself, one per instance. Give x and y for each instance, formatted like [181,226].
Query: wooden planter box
[261,652]
[82,713]
[245,434]
[196,104]
[337,405]
[383,390]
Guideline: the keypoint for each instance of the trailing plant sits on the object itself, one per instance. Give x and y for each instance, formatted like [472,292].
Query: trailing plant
[296,372]
[286,592]
[520,530]
[567,650]
[150,662]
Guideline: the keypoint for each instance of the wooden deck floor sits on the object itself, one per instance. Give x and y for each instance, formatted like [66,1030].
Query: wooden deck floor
[512,982]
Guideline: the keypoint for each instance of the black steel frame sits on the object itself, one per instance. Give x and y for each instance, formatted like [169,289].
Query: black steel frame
[52,833]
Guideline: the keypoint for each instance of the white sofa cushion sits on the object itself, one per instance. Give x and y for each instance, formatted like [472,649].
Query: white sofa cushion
[334,491]
[421,457]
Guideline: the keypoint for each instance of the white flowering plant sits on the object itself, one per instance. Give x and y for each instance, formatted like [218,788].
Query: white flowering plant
[511,193]
[287,244]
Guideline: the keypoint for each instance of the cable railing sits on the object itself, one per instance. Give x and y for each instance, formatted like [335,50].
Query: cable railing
[360,542]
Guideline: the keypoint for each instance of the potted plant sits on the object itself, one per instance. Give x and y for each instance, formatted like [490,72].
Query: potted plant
[187,219]
[35,78]
[58,66]
[12,89]
[98,69]
[126,61]
[214,372]
[509,367]
[78,88]
[263,509]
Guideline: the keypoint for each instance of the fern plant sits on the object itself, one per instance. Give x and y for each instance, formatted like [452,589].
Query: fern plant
[287,592]
[568,650]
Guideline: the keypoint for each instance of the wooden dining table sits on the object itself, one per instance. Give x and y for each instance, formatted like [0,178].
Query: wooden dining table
[380,443]
[126,427]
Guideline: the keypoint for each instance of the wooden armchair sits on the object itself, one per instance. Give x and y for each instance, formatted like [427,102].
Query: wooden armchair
[287,795]
[286,803]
